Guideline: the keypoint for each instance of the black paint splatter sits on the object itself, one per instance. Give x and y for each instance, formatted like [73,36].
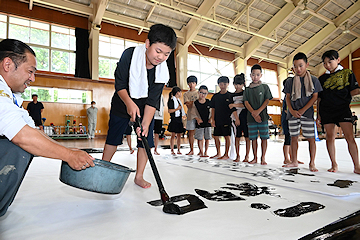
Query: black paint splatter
[288,180]
[218,195]
[260,206]
[293,171]
[345,228]
[247,189]
[300,209]
[341,183]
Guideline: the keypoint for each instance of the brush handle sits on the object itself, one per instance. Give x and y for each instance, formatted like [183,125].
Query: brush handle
[164,196]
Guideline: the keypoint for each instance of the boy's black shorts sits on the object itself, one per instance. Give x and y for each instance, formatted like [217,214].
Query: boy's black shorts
[242,129]
[117,128]
[158,126]
[224,130]
[336,117]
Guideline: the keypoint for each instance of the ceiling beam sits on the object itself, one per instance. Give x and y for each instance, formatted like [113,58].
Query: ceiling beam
[329,29]
[194,26]
[237,17]
[279,18]
[99,8]
[67,5]
[219,45]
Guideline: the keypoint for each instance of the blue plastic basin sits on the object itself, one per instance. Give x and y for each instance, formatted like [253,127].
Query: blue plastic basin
[105,177]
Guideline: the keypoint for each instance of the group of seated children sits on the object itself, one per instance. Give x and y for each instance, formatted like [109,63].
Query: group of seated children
[244,112]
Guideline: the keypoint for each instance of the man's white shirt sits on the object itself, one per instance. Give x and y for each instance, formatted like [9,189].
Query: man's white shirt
[12,117]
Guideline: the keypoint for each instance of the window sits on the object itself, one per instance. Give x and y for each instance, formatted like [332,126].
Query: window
[53,45]
[110,51]
[269,77]
[58,95]
[208,70]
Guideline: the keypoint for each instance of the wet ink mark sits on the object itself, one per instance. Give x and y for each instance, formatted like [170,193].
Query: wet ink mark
[317,181]
[345,228]
[92,150]
[6,169]
[218,195]
[247,189]
[300,209]
[288,180]
[341,183]
[293,171]
[260,206]
[270,174]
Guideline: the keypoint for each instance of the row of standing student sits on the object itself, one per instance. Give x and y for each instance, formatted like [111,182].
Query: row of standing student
[223,111]
[247,116]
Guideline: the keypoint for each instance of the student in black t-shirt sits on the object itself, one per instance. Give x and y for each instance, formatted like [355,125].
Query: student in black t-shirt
[220,117]
[203,126]
[137,92]
[339,85]
[239,116]
[35,109]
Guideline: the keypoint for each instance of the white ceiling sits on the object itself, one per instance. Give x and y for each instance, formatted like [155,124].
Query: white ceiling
[272,30]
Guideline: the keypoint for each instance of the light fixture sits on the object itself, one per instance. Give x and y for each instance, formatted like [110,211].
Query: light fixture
[306,10]
[346,28]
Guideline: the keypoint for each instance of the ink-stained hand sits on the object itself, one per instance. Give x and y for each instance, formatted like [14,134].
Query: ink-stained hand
[258,119]
[133,110]
[79,159]
[237,122]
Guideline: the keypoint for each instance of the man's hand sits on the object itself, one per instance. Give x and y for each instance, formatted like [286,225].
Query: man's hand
[80,160]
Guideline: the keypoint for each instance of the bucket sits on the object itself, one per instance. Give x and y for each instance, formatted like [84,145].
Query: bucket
[105,177]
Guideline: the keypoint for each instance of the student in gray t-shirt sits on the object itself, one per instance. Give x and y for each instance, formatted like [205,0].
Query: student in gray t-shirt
[301,94]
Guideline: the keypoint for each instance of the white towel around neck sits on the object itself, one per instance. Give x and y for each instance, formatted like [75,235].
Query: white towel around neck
[176,105]
[138,81]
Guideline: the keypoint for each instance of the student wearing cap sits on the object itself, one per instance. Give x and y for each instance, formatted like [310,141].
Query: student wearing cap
[189,98]
[220,117]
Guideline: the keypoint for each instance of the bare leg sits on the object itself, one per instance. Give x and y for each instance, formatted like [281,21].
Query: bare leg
[108,153]
[201,144]
[156,142]
[191,141]
[217,144]
[247,142]
[172,140]
[263,151]
[312,151]
[227,147]
[330,145]
[206,147]
[178,140]
[254,148]
[237,148]
[286,150]
[352,146]
[128,139]
[140,167]
[294,148]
